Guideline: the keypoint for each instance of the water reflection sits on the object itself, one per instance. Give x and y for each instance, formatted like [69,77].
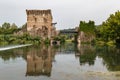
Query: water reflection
[66,48]
[86,54]
[39,61]
[110,56]
[38,58]
[12,54]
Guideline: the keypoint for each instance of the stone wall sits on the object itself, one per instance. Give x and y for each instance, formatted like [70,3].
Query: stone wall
[39,23]
[85,37]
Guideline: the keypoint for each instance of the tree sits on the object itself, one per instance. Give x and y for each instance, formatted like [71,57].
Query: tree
[13,26]
[6,25]
[24,27]
[8,29]
[87,27]
[110,28]
[0,29]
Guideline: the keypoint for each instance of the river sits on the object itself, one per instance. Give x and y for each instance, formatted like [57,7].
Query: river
[65,62]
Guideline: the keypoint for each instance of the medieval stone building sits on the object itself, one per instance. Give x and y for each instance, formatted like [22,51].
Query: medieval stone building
[39,23]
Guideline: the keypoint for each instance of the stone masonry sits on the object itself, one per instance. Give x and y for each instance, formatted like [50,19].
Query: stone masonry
[39,23]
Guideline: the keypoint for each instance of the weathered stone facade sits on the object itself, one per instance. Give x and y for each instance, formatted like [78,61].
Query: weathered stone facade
[39,23]
[85,37]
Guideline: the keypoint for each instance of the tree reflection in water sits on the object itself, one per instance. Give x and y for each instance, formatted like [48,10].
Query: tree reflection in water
[39,58]
[86,54]
[110,55]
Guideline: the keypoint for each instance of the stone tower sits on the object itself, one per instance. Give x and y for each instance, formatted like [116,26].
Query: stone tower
[39,23]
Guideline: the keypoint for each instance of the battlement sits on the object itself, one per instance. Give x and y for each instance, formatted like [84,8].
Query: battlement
[38,12]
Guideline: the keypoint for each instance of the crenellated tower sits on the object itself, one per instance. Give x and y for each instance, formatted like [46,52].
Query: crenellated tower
[39,23]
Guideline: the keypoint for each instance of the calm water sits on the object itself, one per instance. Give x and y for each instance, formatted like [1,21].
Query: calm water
[65,62]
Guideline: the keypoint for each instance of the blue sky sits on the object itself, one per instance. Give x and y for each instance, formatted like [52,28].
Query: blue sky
[67,13]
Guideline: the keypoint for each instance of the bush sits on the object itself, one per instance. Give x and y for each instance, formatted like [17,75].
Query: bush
[47,41]
[23,39]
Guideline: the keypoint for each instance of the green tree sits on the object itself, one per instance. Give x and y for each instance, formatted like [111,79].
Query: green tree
[87,27]
[110,28]
[24,27]
[6,25]
[0,29]
[7,28]
[13,26]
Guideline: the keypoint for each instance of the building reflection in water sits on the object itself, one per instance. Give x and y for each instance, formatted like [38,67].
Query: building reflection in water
[39,61]
[39,58]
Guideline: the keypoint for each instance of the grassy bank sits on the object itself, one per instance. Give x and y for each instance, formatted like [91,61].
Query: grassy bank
[22,39]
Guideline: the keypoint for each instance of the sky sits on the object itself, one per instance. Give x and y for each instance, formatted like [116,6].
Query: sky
[67,13]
